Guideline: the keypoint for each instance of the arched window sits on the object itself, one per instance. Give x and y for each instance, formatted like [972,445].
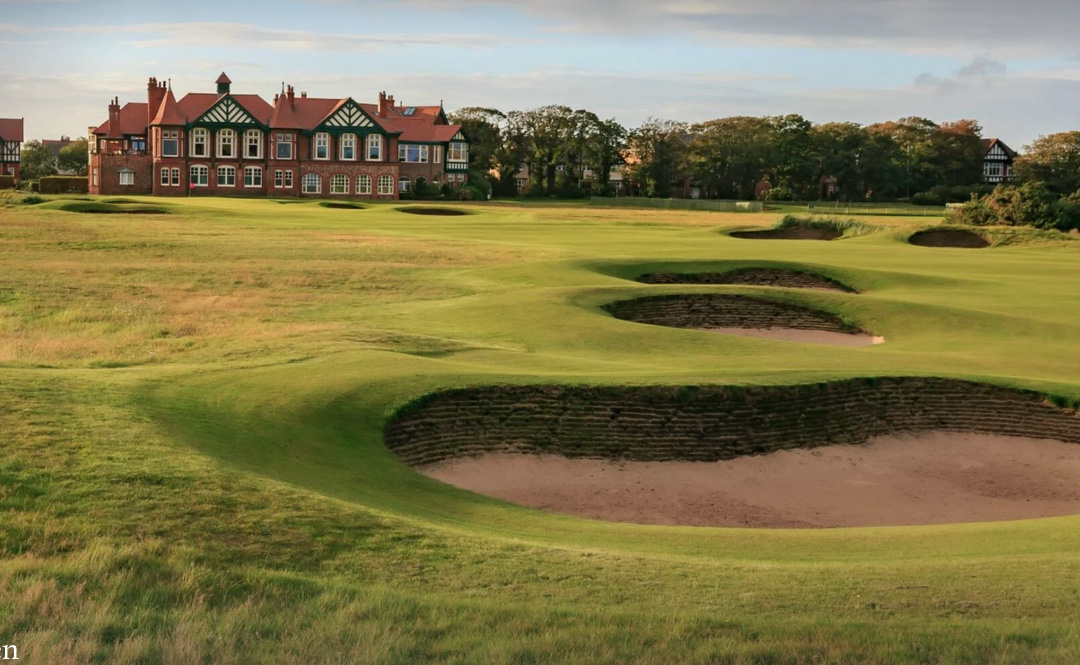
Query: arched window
[386,185]
[363,184]
[339,184]
[403,185]
[253,142]
[374,148]
[312,183]
[200,140]
[226,143]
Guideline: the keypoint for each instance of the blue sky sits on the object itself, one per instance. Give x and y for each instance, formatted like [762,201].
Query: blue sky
[1013,66]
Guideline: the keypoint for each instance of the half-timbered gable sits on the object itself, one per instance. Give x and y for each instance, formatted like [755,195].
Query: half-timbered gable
[11,138]
[998,161]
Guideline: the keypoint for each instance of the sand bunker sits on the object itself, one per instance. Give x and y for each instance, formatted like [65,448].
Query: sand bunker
[949,238]
[439,212]
[789,234]
[338,205]
[780,277]
[803,336]
[741,315]
[930,478]
[959,451]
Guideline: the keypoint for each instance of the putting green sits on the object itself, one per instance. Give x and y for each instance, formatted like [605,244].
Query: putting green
[193,407]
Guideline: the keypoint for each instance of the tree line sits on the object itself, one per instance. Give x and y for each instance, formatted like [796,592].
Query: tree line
[573,152]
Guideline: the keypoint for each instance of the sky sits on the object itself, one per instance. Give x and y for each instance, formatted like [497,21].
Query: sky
[1013,66]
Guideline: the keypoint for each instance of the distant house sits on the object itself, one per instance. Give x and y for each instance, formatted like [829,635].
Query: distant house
[54,146]
[998,161]
[239,144]
[11,138]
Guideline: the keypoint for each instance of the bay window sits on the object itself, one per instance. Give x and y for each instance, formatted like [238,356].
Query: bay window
[322,146]
[374,148]
[348,146]
[226,146]
[253,144]
[200,140]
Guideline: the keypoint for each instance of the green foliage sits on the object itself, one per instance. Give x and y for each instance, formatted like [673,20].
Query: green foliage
[943,194]
[74,157]
[37,161]
[1031,204]
[1053,160]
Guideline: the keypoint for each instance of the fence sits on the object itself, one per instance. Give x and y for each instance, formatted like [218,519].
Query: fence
[895,209]
[680,204]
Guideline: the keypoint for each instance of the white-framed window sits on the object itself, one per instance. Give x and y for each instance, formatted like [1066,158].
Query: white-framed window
[437,157]
[363,184]
[412,152]
[226,176]
[520,183]
[226,143]
[253,142]
[170,143]
[348,147]
[200,142]
[374,148]
[252,176]
[322,146]
[459,152]
[284,144]
[200,176]
[288,179]
[164,177]
[993,169]
[95,178]
[175,177]
[339,184]
[312,183]
[403,185]
[279,179]
[386,185]
[127,177]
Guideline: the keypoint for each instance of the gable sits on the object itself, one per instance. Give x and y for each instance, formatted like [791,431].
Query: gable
[459,137]
[227,112]
[349,116]
[997,153]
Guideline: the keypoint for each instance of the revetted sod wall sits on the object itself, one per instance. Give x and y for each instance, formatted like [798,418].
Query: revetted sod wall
[782,277]
[724,311]
[710,423]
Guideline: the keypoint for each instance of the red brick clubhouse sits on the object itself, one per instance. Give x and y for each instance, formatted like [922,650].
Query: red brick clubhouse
[225,144]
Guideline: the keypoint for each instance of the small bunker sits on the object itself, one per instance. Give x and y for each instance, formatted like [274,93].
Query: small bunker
[793,233]
[341,205]
[437,212]
[959,238]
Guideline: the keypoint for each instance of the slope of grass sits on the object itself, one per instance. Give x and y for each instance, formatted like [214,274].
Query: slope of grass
[191,409]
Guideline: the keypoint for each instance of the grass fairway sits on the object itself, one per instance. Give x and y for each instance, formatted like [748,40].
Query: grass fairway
[192,405]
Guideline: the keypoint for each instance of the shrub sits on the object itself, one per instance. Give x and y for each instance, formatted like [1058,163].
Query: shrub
[1030,204]
[59,184]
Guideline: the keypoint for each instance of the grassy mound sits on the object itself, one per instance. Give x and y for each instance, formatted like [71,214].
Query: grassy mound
[792,227]
[107,208]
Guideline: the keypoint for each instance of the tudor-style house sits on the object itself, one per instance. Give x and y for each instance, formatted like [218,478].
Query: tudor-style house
[236,144]
[11,138]
[998,161]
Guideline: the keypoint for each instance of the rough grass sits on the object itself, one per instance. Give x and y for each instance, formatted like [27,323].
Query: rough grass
[191,409]
[849,228]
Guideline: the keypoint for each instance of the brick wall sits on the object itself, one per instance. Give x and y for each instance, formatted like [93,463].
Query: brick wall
[109,167]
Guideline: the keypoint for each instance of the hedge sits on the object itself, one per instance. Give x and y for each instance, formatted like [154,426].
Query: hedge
[61,184]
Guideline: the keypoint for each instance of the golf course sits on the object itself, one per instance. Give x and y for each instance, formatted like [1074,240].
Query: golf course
[226,426]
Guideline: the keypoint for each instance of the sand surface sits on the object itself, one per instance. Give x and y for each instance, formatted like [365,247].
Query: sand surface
[930,478]
[803,336]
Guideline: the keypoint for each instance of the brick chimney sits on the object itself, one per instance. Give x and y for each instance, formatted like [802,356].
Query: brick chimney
[291,94]
[114,118]
[382,104]
[155,94]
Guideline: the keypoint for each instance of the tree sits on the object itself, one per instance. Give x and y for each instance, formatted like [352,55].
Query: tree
[729,156]
[605,142]
[792,162]
[1054,160]
[959,155]
[483,127]
[36,161]
[74,157]
[551,133]
[655,156]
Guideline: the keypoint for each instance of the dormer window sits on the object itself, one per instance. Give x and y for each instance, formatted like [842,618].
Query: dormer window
[200,139]
[226,143]
[374,148]
[253,144]
[348,146]
[322,146]
[284,145]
